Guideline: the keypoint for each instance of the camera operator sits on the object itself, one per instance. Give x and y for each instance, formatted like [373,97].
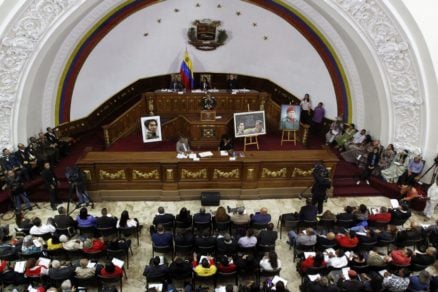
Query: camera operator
[51,183]
[76,180]
[15,184]
[320,185]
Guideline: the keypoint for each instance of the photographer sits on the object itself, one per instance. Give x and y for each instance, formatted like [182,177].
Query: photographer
[15,185]
[76,180]
[320,185]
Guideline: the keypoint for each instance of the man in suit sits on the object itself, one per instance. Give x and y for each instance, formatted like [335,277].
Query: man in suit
[308,212]
[51,184]
[261,217]
[202,216]
[105,221]
[26,160]
[268,236]
[162,217]
[226,245]
[161,237]
[205,239]
[62,220]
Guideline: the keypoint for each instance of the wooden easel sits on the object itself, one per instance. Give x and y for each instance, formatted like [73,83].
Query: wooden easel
[251,140]
[288,137]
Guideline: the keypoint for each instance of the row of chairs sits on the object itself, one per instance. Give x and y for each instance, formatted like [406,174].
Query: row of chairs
[211,226]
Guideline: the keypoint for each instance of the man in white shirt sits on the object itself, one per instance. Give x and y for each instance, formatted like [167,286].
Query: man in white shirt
[38,228]
[432,200]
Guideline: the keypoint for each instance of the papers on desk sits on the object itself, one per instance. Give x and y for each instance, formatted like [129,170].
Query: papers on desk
[224,153]
[205,154]
[118,262]
[197,91]
[181,156]
[220,289]
[20,266]
[192,156]
[218,117]
[181,92]
[394,203]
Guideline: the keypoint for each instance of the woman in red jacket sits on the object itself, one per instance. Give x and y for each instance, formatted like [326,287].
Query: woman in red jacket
[348,240]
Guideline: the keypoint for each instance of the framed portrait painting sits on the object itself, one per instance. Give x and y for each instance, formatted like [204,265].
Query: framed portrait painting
[290,117]
[249,124]
[151,129]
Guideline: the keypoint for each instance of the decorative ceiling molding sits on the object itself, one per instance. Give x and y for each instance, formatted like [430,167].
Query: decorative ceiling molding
[17,48]
[397,61]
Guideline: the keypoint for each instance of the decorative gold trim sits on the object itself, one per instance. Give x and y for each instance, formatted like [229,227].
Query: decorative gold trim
[250,174]
[87,173]
[202,173]
[169,174]
[153,174]
[120,174]
[226,174]
[300,172]
[274,173]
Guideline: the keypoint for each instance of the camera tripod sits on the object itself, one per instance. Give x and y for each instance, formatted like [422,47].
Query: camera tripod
[73,189]
[17,212]
[434,167]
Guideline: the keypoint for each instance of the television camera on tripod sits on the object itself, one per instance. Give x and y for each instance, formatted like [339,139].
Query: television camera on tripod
[76,179]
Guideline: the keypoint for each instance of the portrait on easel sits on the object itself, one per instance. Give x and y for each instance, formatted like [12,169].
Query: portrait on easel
[249,124]
[290,117]
[151,129]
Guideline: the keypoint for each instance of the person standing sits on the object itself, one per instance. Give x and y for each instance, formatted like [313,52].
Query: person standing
[320,185]
[318,118]
[432,200]
[51,183]
[306,108]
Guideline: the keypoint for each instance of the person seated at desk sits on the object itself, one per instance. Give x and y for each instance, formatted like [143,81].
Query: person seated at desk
[182,146]
[205,84]
[175,83]
[226,143]
[232,82]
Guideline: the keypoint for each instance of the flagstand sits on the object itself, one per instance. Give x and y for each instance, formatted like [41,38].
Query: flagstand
[288,137]
[251,140]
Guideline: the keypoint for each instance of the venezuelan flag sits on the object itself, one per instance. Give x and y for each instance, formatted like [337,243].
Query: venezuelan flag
[186,72]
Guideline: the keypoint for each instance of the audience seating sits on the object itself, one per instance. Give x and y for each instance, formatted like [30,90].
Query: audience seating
[221,227]
[206,250]
[120,254]
[155,280]
[326,225]
[163,249]
[185,250]
[91,231]
[106,231]
[284,222]
[307,224]
[200,226]
[108,281]
[197,279]
[233,275]
[314,271]
[302,248]
[128,231]
[261,274]
[259,226]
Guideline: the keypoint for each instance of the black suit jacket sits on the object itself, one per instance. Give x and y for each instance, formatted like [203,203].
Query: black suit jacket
[64,221]
[49,178]
[105,222]
[267,237]
[198,217]
[205,241]
[162,219]
[226,249]
[308,213]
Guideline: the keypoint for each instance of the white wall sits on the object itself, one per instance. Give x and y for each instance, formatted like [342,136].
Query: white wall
[125,55]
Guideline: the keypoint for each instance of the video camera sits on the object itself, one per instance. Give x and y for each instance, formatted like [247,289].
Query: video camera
[73,175]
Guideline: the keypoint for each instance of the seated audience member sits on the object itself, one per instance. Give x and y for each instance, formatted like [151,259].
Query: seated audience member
[162,217]
[226,264]
[205,268]
[226,245]
[105,220]
[161,237]
[261,217]
[346,137]
[401,257]
[375,259]
[351,284]
[62,220]
[111,270]
[336,128]
[316,261]
[382,216]
[126,222]
[205,239]
[155,269]
[368,237]
[361,215]
[370,166]
[93,245]
[395,282]
[408,193]
[84,219]
[321,284]
[357,259]
[414,232]
[221,215]
[401,213]
[182,145]
[328,215]
[426,259]
[268,236]
[397,167]
[34,268]
[346,215]
[348,240]
[28,247]
[249,240]
[337,260]
[202,216]
[240,218]
[39,229]
[119,243]
[184,218]
[308,212]
[247,263]
[420,282]
[387,235]
[58,272]
[414,169]
[180,268]
[83,271]
[72,244]
[326,240]
[54,243]
[66,286]
[184,237]
[270,262]
[306,238]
